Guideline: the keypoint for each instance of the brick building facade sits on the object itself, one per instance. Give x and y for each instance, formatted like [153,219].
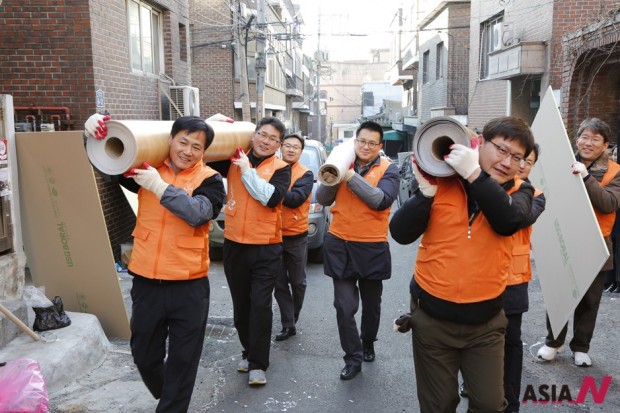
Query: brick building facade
[576,44]
[59,53]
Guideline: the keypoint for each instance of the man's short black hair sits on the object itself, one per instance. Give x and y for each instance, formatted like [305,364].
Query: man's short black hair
[275,122]
[193,124]
[373,126]
[512,129]
[296,136]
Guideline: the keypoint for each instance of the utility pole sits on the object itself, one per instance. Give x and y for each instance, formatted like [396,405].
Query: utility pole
[241,50]
[319,59]
[261,64]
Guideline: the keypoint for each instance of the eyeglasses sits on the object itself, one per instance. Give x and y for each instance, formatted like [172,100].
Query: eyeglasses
[289,146]
[362,143]
[273,139]
[505,153]
[528,163]
[595,139]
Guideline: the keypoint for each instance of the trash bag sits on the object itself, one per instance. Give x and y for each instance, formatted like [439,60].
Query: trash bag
[22,387]
[50,318]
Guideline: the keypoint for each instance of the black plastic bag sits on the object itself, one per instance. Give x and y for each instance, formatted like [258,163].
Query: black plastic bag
[50,318]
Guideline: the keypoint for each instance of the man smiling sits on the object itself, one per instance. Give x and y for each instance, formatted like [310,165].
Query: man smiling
[601,177]
[462,266]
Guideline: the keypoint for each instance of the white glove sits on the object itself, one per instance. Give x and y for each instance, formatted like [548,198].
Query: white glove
[349,173]
[464,160]
[149,179]
[242,161]
[579,168]
[96,126]
[426,182]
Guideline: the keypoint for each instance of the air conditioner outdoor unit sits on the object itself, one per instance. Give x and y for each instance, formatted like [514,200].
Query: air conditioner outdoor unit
[186,99]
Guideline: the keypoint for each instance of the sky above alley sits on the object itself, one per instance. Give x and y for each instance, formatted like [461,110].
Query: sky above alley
[348,28]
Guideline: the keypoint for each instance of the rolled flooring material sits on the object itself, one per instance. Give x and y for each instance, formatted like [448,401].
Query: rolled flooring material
[432,142]
[338,162]
[129,143]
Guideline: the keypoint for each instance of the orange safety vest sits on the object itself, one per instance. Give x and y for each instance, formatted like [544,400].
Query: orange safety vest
[353,220]
[165,246]
[295,220]
[459,261]
[606,221]
[521,268]
[247,221]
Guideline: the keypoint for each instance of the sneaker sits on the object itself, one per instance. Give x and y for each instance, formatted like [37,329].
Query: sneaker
[257,377]
[548,353]
[582,359]
[244,366]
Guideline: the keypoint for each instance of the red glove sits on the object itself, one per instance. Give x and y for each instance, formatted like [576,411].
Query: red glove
[132,172]
[238,153]
[96,126]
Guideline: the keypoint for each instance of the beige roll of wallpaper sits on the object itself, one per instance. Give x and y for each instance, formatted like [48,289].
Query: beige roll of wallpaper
[338,162]
[129,143]
[432,142]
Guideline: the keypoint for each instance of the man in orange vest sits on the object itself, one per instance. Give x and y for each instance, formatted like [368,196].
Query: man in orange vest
[295,211]
[357,253]
[170,260]
[601,177]
[462,266]
[516,301]
[257,183]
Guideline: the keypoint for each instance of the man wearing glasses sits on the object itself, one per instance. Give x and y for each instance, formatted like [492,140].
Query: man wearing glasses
[466,222]
[257,184]
[295,211]
[357,253]
[601,177]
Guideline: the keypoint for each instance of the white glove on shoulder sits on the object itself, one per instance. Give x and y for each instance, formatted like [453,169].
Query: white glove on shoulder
[428,188]
[464,160]
[96,126]
[149,179]
[579,168]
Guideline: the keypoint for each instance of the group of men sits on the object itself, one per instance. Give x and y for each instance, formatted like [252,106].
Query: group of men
[475,242]
[266,206]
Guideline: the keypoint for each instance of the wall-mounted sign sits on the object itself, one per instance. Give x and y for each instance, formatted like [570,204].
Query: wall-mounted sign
[100,98]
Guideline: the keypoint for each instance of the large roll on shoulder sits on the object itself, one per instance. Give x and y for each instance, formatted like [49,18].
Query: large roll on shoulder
[129,143]
[433,140]
[338,162]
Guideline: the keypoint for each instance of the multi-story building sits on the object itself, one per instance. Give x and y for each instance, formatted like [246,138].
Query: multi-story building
[519,49]
[431,61]
[341,84]
[76,58]
[229,40]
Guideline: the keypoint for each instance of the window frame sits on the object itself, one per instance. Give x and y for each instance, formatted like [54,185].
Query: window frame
[156,38]
[488,42]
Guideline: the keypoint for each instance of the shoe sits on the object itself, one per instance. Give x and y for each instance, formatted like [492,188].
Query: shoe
[286,333]
[257,377]
[582,359]
[349,371]
[244,366]
[548,353]
[616,290]
[611,287]
[463,392]
[369,352]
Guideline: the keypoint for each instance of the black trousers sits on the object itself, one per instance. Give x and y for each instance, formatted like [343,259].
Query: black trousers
[584,319]
[513,362]
[346,301]
[251,272]
[293,274]
[177,311]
